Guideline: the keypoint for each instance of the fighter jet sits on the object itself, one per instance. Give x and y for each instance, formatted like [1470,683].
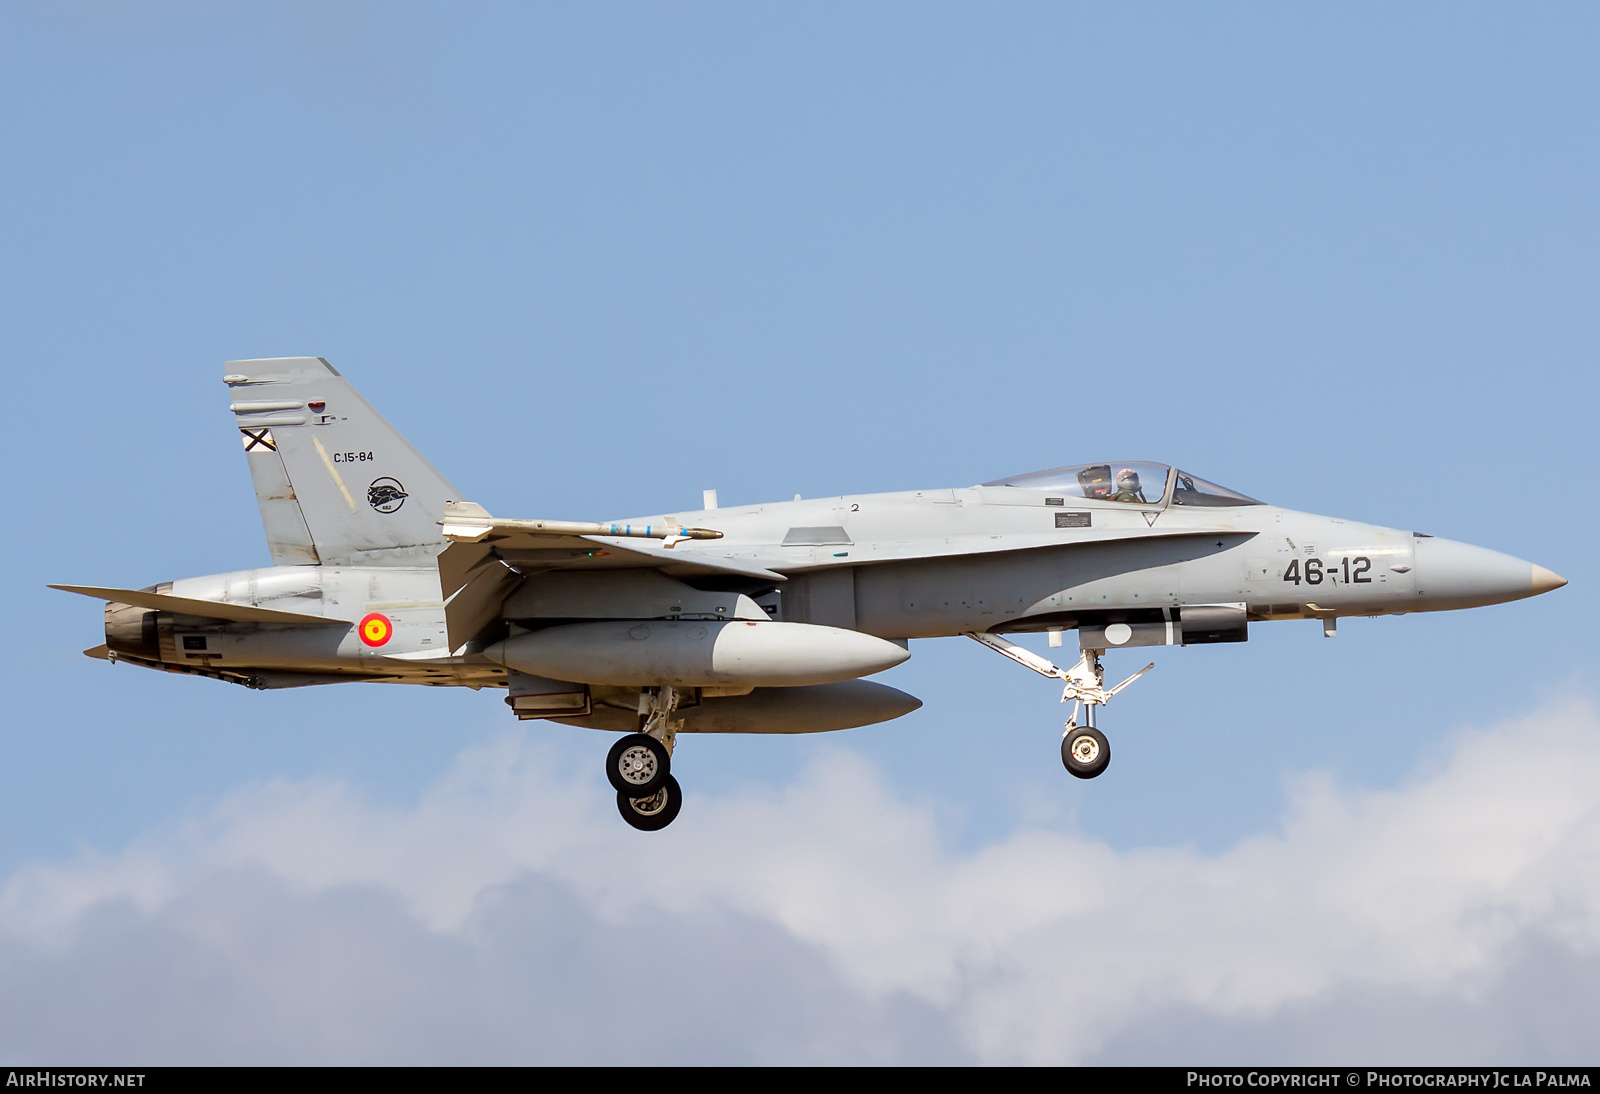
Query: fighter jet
[749,619]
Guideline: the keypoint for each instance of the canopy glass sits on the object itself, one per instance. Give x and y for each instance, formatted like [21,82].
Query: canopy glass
[1134,483]
[1129,483]
[1189,490]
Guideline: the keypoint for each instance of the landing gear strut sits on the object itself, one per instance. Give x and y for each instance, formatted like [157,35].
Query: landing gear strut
[639,766]
[1085,752]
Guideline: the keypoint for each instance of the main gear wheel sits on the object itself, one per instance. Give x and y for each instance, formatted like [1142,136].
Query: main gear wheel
[638,765]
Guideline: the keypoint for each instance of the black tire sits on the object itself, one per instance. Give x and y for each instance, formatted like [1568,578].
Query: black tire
[655,812]
[637,765]
[1085,752]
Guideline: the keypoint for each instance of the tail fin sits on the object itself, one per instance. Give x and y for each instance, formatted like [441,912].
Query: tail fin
[336,483]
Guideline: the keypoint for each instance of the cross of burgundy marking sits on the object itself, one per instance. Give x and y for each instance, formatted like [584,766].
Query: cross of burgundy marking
[258,438]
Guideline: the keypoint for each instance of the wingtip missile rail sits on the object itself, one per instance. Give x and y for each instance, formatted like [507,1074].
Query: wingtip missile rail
[477,529]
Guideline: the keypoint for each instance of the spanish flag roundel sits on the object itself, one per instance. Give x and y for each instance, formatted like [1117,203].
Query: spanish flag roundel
[375,629]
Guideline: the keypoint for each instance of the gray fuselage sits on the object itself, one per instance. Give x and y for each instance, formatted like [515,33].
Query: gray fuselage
[915,564]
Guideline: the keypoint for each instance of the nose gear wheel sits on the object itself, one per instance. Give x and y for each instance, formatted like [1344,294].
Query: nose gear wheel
[1085,752]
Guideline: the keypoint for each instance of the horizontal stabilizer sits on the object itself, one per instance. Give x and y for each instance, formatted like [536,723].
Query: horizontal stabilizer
[205,609]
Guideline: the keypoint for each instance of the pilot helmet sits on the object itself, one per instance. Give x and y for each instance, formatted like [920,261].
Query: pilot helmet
[1128,479]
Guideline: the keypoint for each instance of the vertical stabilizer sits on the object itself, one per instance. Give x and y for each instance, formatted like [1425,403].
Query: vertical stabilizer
[336,483]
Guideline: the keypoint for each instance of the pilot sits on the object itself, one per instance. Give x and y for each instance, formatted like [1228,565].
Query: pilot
[1128,488]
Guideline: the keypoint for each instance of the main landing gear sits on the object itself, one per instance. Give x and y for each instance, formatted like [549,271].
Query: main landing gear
[639,765]
[1085,752]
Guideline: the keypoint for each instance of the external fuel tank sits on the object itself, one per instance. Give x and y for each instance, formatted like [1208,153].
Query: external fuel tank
[697,654]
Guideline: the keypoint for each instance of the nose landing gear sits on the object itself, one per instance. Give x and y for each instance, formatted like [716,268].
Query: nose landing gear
[1085,752]
[639,766]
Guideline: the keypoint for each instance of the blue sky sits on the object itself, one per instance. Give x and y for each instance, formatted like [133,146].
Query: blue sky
[593,259]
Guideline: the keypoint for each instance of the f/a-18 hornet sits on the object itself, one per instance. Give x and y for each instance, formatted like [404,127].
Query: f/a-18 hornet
[752,619]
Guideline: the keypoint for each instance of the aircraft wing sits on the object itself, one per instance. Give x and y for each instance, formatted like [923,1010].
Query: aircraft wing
[489,556]
[539,545]
[482,567]
[530,554]
[205,609]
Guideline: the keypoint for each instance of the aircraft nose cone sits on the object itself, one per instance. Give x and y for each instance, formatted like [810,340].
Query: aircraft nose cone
[1459,575]
[1545,580]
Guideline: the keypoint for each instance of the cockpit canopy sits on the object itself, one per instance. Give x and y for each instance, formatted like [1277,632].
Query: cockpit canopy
[1130,483]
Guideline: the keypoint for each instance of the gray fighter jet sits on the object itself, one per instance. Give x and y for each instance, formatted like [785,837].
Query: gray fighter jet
[752,619]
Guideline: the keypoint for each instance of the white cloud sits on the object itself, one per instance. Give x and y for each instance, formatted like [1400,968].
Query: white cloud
[511,916]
